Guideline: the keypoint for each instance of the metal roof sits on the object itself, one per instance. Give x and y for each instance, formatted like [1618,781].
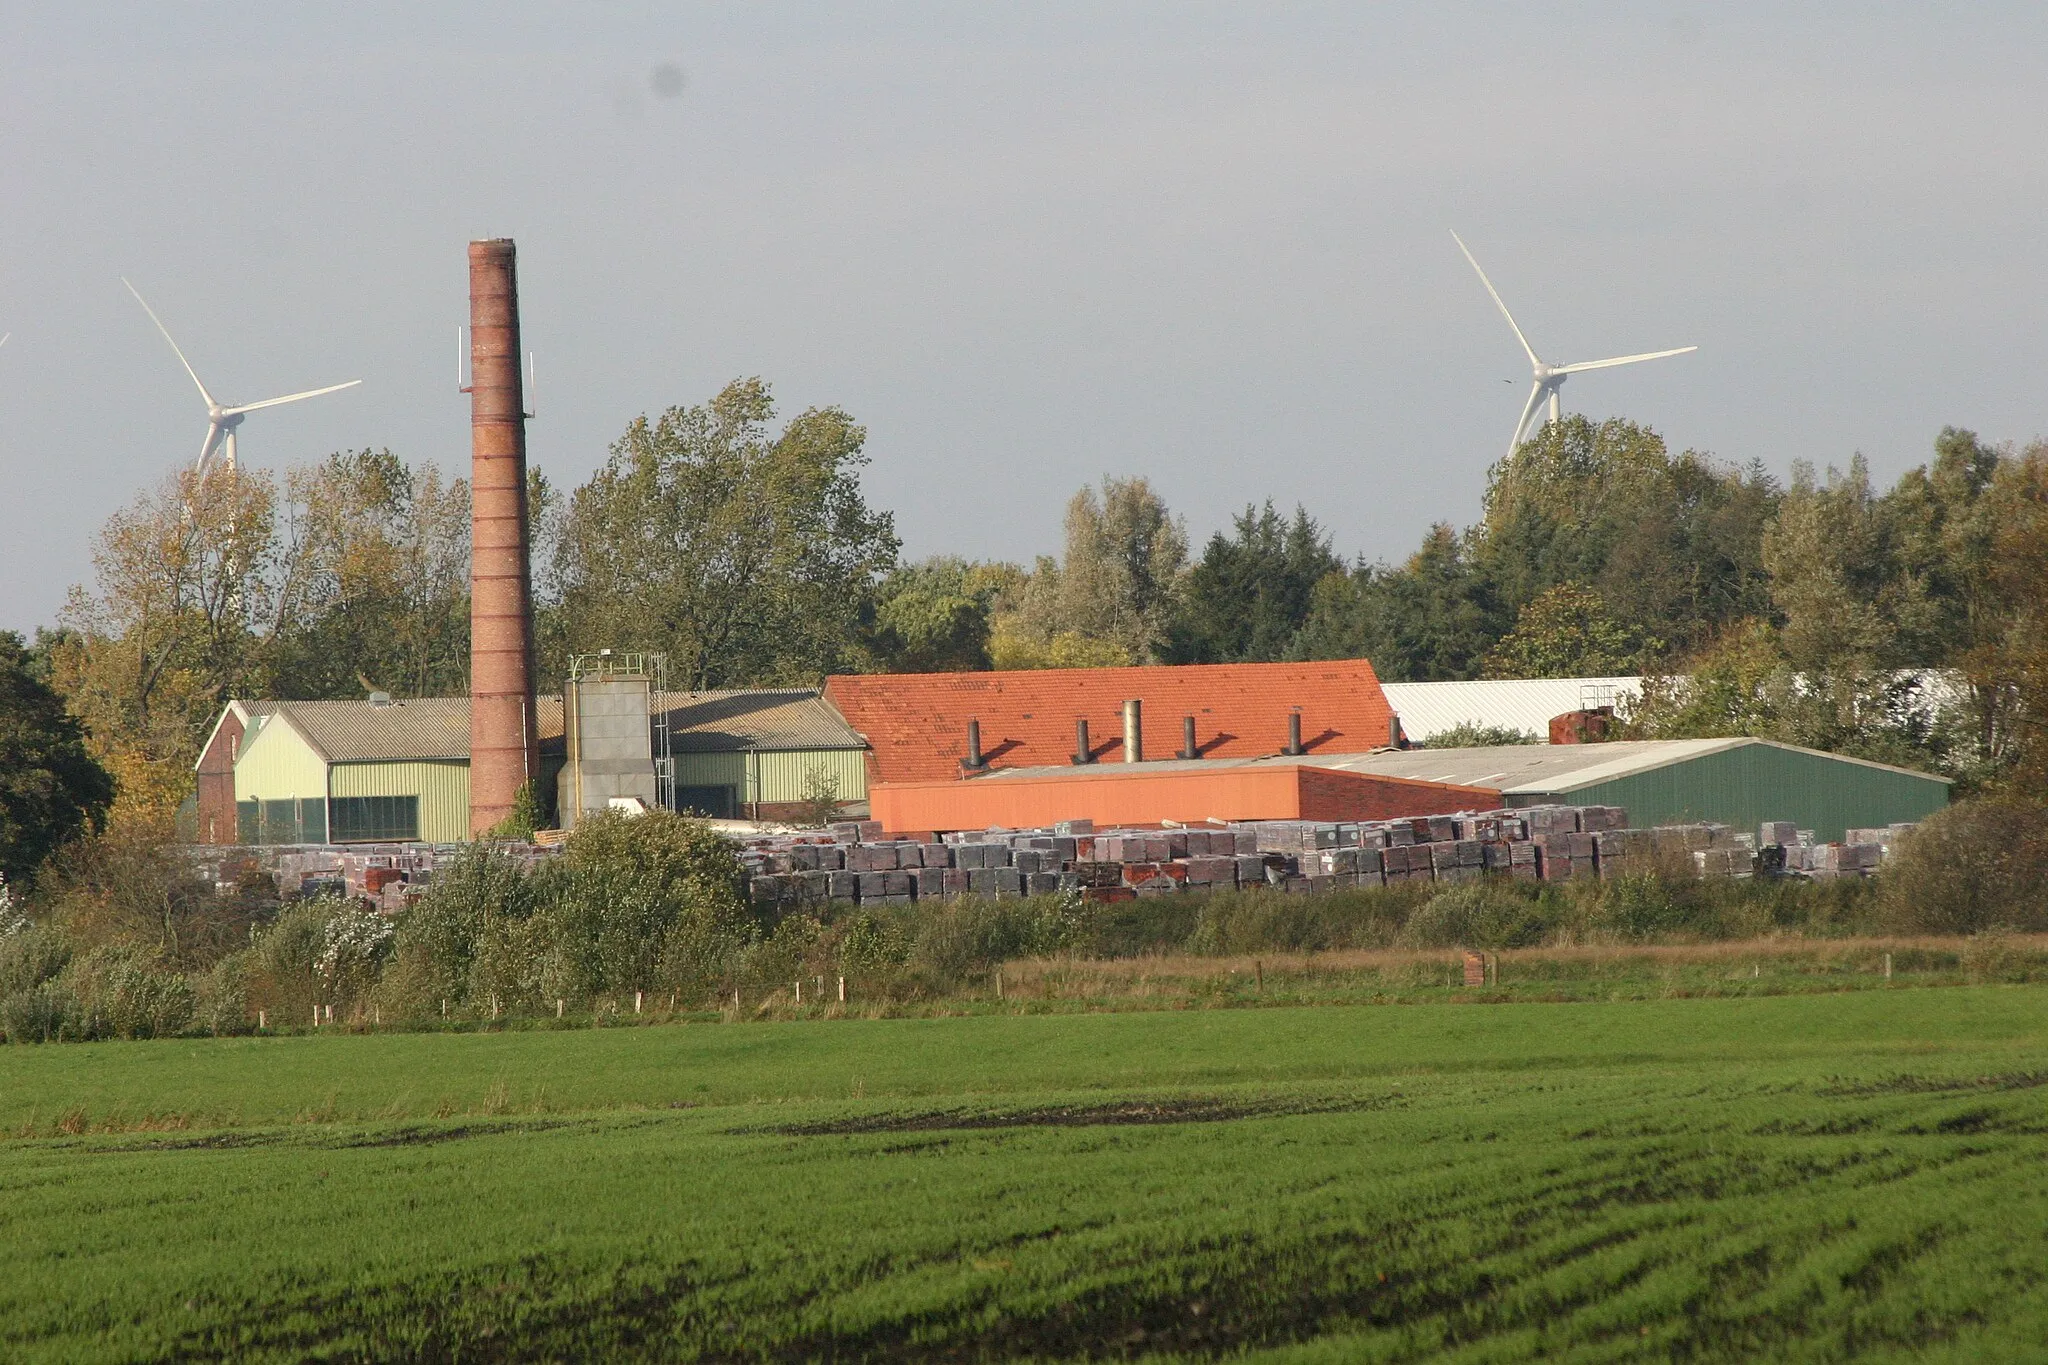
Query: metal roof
[1536,768]
[1513,769]
[422,729]
[437,728]
[1427,709]
[761,719]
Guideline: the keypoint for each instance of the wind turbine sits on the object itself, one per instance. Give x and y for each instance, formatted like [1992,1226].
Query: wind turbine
[1549,378]
[221,418]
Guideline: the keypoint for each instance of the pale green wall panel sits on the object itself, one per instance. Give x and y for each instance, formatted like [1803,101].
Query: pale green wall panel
[781,776]
[278,763]
[711,770]
[443,790]
[775,776]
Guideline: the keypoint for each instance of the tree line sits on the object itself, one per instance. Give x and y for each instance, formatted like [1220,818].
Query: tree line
[1897,624]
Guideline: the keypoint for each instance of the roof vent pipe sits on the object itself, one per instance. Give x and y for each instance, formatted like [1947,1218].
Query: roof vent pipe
[976,761]
[1134,731]
[1187,738]
[1395,739]
[1082,753]
[1293,748]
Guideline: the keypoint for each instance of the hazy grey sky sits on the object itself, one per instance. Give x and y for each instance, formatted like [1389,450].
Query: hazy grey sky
[1207,244]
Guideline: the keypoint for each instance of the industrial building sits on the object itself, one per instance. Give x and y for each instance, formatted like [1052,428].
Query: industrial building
[1145,794]
[1737,782]
[1428,709]
[382,771]
[936,727]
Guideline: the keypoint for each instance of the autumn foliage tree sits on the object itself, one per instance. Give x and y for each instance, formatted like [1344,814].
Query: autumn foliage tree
[182,600]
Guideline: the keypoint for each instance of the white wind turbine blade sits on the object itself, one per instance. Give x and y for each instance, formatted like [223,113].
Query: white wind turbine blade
[206,446]
[288,398]
[174,345]
[3,340]
[1535,397]
[1621,360]
[1527,349]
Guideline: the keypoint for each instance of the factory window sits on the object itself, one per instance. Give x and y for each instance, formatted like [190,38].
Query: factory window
[715,802]
[375,819]
[313,820]
[248,821]
[280,823]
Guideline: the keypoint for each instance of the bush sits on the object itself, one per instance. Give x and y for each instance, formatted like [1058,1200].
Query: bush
[1977,865]
[1478,914]
[437,942]
[646,902]
[284,973]
[31,957]
[1232,923]
[126,993]
[1992,955]
[223,996]
[639,902]
[47,1013]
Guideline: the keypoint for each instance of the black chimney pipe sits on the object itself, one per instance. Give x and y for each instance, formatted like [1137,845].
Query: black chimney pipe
[1082,753]
[1293,733]
[974,762]
[1187,738]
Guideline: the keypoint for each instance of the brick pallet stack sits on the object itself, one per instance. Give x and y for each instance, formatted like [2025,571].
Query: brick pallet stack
[853,863]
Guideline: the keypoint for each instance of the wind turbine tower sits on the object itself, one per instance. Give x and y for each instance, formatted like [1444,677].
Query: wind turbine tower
[1549,378]
[223,418]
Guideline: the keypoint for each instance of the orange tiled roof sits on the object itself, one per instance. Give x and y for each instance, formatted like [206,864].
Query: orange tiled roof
[916,723]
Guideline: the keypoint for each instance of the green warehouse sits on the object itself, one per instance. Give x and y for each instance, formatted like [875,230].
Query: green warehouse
[1737,782]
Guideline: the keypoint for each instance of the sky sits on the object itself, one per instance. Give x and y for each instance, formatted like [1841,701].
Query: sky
[1024,246]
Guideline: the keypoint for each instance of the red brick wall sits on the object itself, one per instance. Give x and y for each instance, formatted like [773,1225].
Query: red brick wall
[217,783]
[1327,795]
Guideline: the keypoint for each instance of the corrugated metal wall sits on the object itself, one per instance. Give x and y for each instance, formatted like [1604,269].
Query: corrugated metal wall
[780,776]
[443,790]
[1745,786]
[277,764]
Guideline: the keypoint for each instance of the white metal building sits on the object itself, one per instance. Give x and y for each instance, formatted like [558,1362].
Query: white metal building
[1427,709]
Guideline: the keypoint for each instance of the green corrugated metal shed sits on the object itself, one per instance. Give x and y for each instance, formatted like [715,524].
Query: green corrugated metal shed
[1739,782]
[1746,784]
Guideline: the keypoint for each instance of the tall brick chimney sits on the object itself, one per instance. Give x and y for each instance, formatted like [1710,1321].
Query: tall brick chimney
[504,748]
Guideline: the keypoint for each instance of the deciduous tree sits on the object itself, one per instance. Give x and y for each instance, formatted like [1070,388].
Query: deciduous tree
[749,557]
[51,789]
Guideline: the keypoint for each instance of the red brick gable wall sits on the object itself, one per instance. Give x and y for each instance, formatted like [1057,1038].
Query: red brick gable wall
[216,797]
[916,723]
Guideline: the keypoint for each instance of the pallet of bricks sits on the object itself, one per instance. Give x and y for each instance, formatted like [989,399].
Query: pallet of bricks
[1789,851]
[853,862]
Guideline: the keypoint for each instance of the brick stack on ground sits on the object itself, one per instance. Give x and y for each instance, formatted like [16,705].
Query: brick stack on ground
[854,863]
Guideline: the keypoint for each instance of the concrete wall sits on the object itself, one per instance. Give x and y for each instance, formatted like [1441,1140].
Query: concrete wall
[608,742]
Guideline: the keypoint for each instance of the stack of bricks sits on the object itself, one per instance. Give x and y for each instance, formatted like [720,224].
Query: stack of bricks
[1793,852]
[1548,843]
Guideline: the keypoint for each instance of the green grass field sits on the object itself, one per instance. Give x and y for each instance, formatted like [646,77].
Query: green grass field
[1802,1177]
